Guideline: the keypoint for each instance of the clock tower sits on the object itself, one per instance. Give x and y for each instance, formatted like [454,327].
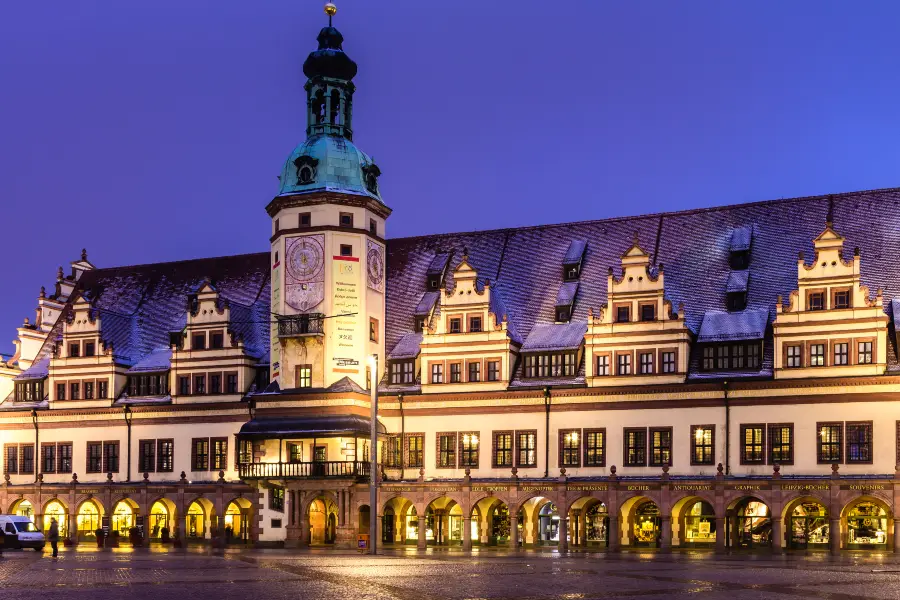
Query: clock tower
[328,231]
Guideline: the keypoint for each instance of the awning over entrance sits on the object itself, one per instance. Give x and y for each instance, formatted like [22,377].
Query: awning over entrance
[324,426]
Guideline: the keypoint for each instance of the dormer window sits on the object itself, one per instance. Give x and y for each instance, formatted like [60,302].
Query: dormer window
[648,312]
[474,324]
[815,301]
[840,299]
[434,282]
[571,272]
[306,169]
[623,314]
[562,314]
[370,177]
[402,372]
[740,260]
[455,325]
[420,324]
[737,301]
[74,350]
[735,356]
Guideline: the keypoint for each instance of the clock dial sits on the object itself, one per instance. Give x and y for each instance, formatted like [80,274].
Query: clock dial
[305,260]
[375,267]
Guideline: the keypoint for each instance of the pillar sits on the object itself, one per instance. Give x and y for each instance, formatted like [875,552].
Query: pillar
[834,535]
[422,543]
[303,542]
[513,532]
[467,533]
[379,530]
[564,533]
[777,534]
[721,537]
[665,532]
[613,534]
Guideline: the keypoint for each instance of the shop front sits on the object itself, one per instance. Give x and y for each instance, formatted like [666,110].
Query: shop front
[646,528]
[809,528]
[751,527]
[596,525]
[699,525]
[867,527]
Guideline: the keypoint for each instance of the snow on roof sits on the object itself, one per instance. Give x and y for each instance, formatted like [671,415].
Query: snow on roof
[427,302]
[721,326]
[157,361]
[737,281]
[566,294]
[408,347]
[40,369]
[555,336]
[575,252]
[741,238]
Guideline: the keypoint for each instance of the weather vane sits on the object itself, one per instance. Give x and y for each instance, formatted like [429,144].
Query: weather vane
[330,10]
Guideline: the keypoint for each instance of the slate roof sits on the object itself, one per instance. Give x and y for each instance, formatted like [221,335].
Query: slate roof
[737,281]
[741,237]
[157,361]
[408,347]
[39,369]
[721,326]
[555,336]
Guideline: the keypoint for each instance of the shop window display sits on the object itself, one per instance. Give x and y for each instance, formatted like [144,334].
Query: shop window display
[867,526]
[809,526]
[700,524]
[646,524]
[597,524]
[752,525]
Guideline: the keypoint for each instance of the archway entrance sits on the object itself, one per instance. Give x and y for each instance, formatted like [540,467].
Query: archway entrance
[23,508]
[237,521]
[808,526]
[123,518]
[867,525]
[87,520]
[399,522]
[751,526]
[195,521]
[443,522]
[548,524]
[646,527]
[363,524]
[490,523]
[55,510]
[322,521]
[160,521]
[697,523]
[589,523]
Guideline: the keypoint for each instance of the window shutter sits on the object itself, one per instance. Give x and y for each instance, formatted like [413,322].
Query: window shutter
[194,454]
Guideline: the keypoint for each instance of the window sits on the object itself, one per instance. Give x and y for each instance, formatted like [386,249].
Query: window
[474,371]
[446,458]
[94,457]
[526,448]
[88,390]
[840,299]
[437,373]
[276,499]
[373,227]
[753,444]
[455,372]
[732,357]
[468,449]
[859,442]
[48,458]
[474,324]
[146,385]
[781,444]
[623,364]
[200,384]
[602,365]
[569,448]
[841,354]
[794,360]
[110,457]
[595,447]
[660,446]
[64,457]
[26,452]
[219,453]
[304,376]
[455,325]
[29,391]
[165,456]
[198,341]
[306,219]
[12,459]
[402,371]
[709,358]
[295,452]
[60,391]
[550,365]
[503,449]
[815,301]
[648,312]
[277,224]
[231,383]
[74,350]
[373,330]
[184,385]
[217,340]
[493,370]
[147,456]
[415,449]
[623,314]
[215,383]
[75,391]
[346,219]
[562,314]
[393,451]
[244,452]
[200,454]
[736,301]
[864,353]
[635,447]
[646,363]
[817,355]
[89,349]
[346,250]
[420,324]
[668,362]
[829,443]
[702,445]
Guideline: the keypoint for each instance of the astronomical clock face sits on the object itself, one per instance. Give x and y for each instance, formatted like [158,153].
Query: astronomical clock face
[304,280]
[375,266]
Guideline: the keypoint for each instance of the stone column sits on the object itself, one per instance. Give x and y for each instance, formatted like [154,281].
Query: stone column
[423,542]
[834,535]
[777,535]
[613,534]
[665,532]
[564,533]
[467,533]
[720,534]
[513,532]
[303,542]
[379,530]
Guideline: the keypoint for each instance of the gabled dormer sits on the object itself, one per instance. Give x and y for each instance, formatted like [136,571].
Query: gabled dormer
[568,289]
[437,271]
[830,326]
[739,247]
[573,259]
[636,333]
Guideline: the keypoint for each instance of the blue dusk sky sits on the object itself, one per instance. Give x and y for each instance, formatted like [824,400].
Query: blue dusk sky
[154,131]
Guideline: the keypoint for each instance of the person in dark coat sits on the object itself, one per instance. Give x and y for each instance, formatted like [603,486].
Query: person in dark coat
[53,536]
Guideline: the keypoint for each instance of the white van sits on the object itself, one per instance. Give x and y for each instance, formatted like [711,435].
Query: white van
[20,532]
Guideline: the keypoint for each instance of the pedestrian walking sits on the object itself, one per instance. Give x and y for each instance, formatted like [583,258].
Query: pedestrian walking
[53,536]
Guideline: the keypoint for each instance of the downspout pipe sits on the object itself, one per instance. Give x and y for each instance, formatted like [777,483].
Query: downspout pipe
[402,437]
[37,445]
[547,432]
[727,430]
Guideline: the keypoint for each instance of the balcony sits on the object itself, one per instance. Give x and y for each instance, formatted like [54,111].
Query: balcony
[344,469]
[301,325]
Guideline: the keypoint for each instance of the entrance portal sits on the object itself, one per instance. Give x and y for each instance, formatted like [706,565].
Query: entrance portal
[646,524]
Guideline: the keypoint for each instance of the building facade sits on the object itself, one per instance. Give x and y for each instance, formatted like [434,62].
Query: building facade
[716,378]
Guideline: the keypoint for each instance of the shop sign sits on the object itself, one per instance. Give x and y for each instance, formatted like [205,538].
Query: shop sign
[692,487]
[747,487]
[641,488]
[868,487]
[805,487]
[601,487]
[398,489]
[89,491]
[490,488]
[536,488]
[443,489]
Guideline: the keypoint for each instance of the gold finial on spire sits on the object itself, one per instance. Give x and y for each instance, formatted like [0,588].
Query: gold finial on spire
[330,10]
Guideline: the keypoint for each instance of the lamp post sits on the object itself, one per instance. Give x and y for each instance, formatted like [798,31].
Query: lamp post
[128,419]
[373,456]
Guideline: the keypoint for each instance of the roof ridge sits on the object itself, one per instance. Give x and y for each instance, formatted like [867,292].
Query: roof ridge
[687,211]
[175,262]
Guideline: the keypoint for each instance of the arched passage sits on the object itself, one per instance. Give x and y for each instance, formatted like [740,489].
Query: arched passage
[750,525]
[22,508]
[806,524]
[162,519]
[588,522]
[55,509]
[238,515]
[197,518]
[123,517]
[491,523]
[322,521]
[87,519]
[866,521]
[443,522]
[538,521]
[693,523]
[364,515]
[399,522]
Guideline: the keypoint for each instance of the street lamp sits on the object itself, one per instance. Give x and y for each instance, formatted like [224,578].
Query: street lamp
[373,455]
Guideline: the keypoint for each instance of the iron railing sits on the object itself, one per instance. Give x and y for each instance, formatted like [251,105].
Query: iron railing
[305,470]
[299,325]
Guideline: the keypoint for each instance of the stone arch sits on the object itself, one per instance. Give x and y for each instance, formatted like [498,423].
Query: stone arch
[589,520]
[443,520]
[238,520]
[750,522]
[641,520]
[537,530]
[695,522]
[163,518]
[54,508]
[396,526]
[199,515]
[865,523]
[31,500]
[320,513]
[491,521]
[810,527]
[123,515]
[89,514]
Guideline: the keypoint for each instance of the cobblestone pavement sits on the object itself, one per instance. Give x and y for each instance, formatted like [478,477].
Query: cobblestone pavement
[410,575]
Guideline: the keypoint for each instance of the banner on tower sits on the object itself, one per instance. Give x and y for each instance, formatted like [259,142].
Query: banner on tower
[346,337]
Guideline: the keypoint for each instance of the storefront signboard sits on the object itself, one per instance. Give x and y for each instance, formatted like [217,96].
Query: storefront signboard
[536,488]
[866,487]
[692,487]
[805,487]
[598,487]
[490,488]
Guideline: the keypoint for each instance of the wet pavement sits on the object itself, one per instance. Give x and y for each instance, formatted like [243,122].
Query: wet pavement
[410,575]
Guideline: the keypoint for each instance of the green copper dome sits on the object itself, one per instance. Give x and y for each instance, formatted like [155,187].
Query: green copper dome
[329,163]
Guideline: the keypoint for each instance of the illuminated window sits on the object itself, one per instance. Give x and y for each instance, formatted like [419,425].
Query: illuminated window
[660,446]
[595,447]
[526,448]
[830,443]
[635,447]
[753,444]
[569,448]
[781,444]
[702,449]
[468,449]
[503,450]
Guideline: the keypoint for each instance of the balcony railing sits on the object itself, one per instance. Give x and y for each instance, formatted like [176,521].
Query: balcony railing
[300,325]
[305,470]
